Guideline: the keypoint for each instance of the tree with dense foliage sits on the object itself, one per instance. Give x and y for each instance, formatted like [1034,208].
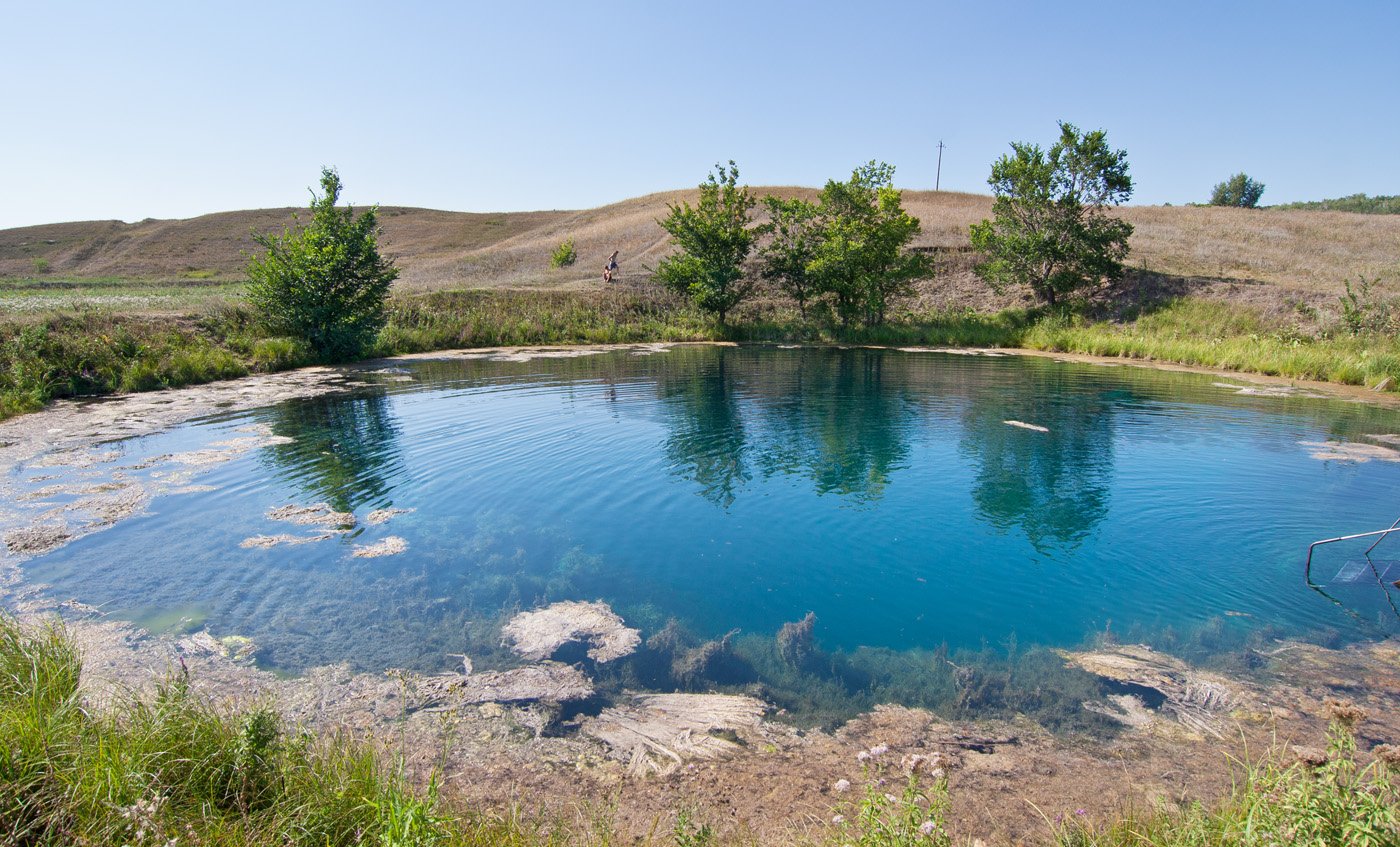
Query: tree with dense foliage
[792,225]
[860,254]
[1050,229]
[1239,190]
[324,283]
[715,238]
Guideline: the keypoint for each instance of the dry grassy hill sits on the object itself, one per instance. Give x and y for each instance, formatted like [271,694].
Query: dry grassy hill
[1302,251]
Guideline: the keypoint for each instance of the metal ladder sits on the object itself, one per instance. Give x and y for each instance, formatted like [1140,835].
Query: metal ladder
[1381,533]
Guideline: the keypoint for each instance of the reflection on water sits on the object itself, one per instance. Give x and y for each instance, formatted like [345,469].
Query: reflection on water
[706,443]
[844,420]
[1053,485]
[343,452]
[716,496]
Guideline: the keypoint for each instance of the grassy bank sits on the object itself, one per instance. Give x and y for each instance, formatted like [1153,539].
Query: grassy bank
[1217,335]
[170,769]
[94,350]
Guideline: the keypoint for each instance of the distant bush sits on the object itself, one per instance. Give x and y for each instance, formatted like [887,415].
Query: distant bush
[42,265]
[1378,205]
[564,254]
[1239,190]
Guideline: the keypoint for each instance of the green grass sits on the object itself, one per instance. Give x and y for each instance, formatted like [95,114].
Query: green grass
[92,350]
[170,769]
[1329,803]
[1213,334]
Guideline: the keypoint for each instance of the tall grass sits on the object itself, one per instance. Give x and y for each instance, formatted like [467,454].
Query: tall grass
[170,769]
[1219,335]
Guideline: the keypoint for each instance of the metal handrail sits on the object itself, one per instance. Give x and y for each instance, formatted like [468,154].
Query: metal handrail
[1307,566]
[1379,540]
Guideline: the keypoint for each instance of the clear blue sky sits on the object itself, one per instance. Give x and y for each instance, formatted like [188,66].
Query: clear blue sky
[137,109]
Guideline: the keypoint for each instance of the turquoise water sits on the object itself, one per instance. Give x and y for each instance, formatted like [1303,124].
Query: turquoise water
[741,488]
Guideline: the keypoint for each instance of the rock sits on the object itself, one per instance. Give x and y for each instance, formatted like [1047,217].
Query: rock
[1350,451]
[390,546]
[321,515]
[263,542]
[547,682]
[37,539]
[536,635]
[1195,699]
[659,732]
[379,516]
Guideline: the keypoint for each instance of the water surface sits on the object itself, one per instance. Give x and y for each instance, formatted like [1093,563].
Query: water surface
[741,488]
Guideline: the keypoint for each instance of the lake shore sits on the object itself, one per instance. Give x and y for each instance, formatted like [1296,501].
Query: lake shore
[1006,777]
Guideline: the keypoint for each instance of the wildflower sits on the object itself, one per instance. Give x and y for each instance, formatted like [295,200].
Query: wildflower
[842,786]
[879,749]
[927,828]
[1346,713]
[891,798]
[863,756]
[1080,812]
[838,819]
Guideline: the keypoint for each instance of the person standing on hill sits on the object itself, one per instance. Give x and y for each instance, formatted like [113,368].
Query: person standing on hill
[611,267]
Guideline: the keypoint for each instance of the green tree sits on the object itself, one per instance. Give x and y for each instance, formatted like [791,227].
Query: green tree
[326,282]
[1050,229]
[792,225]
[715,238]
[860,256]
[1239,190]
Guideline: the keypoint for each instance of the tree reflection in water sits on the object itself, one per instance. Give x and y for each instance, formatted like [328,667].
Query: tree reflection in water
[344,452]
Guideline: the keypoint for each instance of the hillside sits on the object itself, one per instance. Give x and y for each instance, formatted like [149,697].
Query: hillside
[1305,251]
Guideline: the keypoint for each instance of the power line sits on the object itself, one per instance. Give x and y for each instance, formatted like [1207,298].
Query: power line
[938,177]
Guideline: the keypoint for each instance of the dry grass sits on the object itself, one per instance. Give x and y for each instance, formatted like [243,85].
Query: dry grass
[1298,251]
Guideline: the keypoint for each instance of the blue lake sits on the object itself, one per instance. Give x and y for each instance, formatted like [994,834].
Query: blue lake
[741,488]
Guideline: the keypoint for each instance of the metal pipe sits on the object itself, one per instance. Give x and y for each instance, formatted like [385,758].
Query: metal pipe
[1307,566]
[1382,538]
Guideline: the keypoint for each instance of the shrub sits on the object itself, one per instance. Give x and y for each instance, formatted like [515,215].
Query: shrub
[42,265]
[563,255]
[325,283]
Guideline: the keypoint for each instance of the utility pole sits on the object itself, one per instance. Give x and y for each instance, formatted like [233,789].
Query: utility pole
[938,177]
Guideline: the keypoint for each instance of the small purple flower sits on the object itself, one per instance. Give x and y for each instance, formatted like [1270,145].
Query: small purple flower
[927,828]
[1080,812]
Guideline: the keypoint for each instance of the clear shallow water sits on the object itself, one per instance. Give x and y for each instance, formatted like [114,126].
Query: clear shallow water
[740,488]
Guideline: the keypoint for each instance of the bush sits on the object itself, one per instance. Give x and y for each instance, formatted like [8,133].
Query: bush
[1239,190]
[564,254]
[325,283]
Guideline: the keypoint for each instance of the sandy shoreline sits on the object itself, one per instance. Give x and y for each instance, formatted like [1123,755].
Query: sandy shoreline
[1003,775]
